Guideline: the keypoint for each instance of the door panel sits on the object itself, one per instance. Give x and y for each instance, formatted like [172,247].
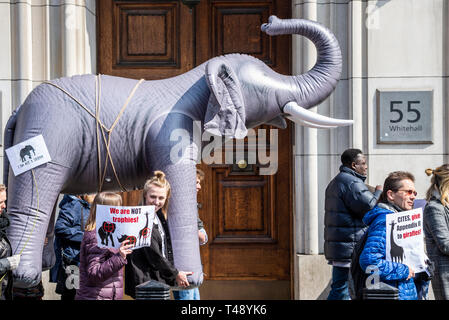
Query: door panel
[247,215]
[144,39]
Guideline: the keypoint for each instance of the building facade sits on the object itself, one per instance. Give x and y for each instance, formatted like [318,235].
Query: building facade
[394,85]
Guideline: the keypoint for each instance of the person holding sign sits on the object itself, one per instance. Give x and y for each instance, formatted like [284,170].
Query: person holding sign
[101,274]
[69,231]
[398,195]
[155,262]
[436,229]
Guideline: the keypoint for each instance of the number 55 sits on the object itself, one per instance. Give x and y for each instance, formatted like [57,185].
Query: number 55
[409,109]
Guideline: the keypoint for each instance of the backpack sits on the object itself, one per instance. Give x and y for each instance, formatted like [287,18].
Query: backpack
[358,275]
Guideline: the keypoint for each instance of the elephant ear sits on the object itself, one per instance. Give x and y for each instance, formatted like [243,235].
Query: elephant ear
[225,114]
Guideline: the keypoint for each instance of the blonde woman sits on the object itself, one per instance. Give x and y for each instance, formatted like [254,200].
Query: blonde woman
[101,270]
[156,261]
[436,229]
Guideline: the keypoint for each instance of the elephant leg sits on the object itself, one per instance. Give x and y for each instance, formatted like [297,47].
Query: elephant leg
[31,199]
[100,233]
[182,220]
[48,255]
[173,149]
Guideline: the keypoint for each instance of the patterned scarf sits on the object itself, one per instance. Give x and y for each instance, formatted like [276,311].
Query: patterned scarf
[390,206]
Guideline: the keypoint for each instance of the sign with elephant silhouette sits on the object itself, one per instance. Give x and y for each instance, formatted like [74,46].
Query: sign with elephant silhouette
[404,239]
[28,154]
[115,224]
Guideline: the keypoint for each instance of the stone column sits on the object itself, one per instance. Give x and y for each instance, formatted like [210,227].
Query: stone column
[355,61]
[315,154]
[306,217]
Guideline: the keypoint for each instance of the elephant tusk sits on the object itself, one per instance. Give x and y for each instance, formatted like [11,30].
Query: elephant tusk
[309,124]
[303,116]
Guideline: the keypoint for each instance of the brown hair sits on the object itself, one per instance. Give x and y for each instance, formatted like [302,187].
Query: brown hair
[200,174]
[158,179]
[2,187]
[439,182]
[105,198]
[394,182]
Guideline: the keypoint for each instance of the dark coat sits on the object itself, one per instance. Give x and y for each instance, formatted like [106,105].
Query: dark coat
[69,227]
[347,201]
[101,271]
[5,270]
[148,263]
[436,232]
[374,253]
[5,267]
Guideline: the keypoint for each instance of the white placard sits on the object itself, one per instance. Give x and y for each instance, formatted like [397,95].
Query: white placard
[405,240]
[115,224]
[28,154]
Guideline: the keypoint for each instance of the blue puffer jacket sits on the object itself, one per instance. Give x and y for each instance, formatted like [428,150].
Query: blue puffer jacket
[374,253]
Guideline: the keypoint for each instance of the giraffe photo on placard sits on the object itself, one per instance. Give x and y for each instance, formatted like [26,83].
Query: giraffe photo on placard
[115,224]
[404,239]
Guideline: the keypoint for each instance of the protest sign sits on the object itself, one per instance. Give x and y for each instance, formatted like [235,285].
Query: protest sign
[28,154]
[115,224]
[405,241]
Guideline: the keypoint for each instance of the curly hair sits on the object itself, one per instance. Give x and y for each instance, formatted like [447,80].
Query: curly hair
[349,156]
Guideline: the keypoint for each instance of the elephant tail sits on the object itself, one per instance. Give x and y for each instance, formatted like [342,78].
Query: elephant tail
[8,141]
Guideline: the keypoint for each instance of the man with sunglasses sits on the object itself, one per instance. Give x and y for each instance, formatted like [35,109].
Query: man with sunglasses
[348,198]
[398,195]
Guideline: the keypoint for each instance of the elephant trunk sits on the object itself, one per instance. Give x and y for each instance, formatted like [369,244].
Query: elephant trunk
[319,82]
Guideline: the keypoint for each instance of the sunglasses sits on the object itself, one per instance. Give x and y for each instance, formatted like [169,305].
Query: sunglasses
[410,192]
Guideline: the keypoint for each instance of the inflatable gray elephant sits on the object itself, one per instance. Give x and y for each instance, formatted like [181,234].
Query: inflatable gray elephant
[111,133]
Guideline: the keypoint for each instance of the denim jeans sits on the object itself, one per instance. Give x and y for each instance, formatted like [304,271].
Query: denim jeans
[340,284]
[191,294]
[422,288]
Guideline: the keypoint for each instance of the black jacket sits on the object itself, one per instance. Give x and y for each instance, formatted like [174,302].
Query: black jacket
[347,201]
[5,268]
[148,263]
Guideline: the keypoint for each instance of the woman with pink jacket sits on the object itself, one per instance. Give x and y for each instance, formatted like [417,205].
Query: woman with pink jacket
[101,269]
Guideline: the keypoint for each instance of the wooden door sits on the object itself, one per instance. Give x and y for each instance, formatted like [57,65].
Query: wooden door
[248,216]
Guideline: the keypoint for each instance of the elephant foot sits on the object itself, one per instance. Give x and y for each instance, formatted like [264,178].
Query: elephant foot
[27,277]
[32,293]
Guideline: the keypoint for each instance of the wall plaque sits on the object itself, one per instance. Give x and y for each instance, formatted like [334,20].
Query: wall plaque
[404,116]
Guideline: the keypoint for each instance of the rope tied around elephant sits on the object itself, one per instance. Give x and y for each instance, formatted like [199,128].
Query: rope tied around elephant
[101,127]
